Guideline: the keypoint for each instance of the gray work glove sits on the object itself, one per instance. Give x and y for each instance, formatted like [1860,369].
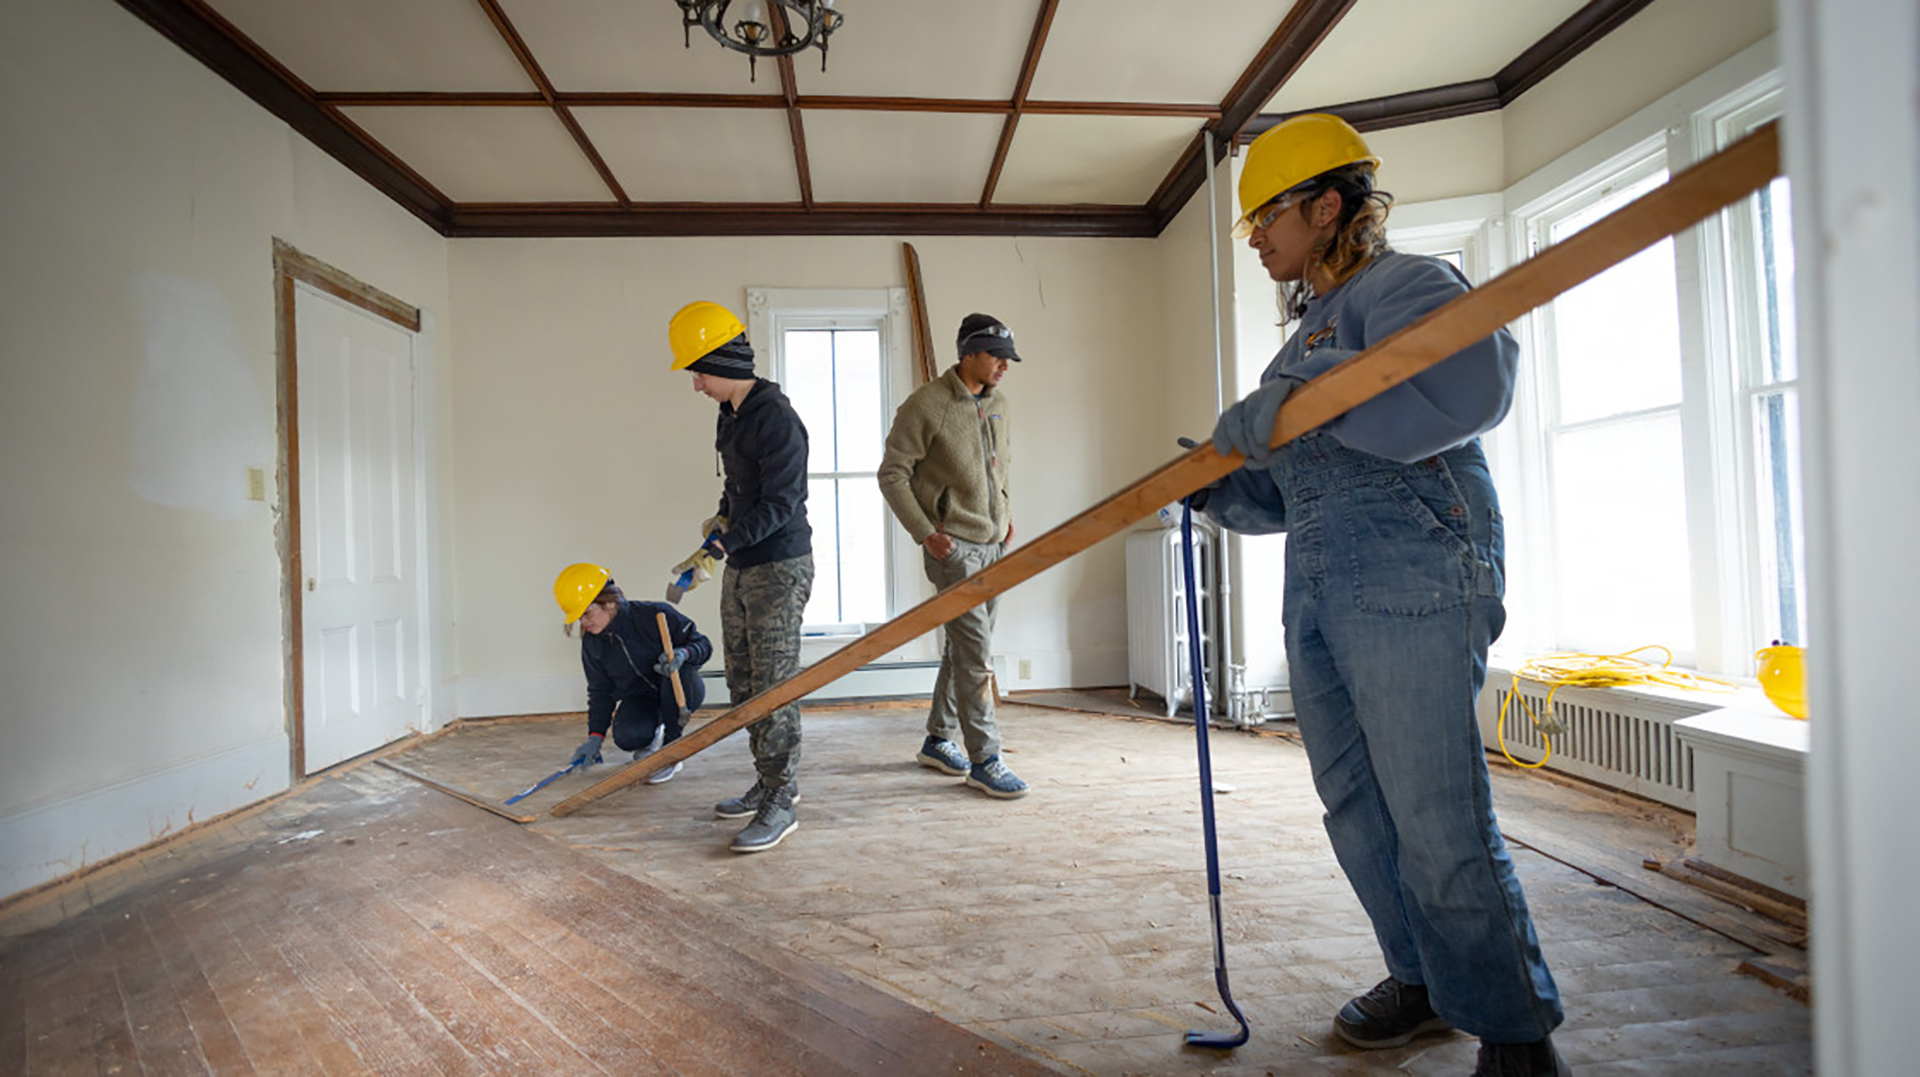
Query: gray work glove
[1198,499]
[1247,425]
[671,663]
[589,751]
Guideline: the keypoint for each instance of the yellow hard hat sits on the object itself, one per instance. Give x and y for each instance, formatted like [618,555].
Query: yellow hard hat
[699,328]
[1783,677]
[576,588]
[1292,152]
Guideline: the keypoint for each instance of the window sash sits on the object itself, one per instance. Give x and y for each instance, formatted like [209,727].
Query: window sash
[771,313]
[1739,559]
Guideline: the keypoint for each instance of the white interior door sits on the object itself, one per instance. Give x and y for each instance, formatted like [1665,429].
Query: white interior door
[358,533]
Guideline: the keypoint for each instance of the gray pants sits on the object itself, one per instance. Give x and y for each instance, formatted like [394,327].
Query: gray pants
[760,610]
[963,693]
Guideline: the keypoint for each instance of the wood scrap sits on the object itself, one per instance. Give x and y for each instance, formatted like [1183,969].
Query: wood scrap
[457,794]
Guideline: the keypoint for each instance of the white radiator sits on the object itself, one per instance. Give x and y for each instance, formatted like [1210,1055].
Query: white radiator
[1157,658]
[1618,737]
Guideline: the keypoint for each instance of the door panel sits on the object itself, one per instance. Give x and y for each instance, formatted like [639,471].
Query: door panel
[357,530]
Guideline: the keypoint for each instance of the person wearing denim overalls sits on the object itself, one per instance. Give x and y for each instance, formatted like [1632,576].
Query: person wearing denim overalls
[1394,585]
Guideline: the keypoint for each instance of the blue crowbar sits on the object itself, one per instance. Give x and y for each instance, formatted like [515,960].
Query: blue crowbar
[1200,1037]
[543,783]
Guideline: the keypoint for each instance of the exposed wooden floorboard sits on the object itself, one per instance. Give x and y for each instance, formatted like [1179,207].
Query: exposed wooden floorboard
[371,925]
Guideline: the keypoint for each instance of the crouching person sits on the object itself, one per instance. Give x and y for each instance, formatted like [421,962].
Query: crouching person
[628,666]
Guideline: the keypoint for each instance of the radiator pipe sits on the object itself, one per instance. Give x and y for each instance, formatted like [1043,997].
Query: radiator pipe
[1223,559]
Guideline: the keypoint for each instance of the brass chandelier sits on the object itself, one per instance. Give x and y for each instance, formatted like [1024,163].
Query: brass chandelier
[763,27]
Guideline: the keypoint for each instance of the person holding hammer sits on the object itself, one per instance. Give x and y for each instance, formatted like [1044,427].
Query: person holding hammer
[631,652]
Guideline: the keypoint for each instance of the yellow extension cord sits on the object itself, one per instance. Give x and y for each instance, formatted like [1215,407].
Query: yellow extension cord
[1592,671]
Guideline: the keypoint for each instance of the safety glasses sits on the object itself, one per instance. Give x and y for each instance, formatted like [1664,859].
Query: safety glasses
[1264,216]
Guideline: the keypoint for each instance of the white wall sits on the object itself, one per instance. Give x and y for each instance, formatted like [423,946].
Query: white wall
[1652,53]
[1853,151]
[142,685]
[575,442]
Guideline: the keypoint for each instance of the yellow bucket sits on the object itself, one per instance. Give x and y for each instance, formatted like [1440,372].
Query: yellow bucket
[1783,677]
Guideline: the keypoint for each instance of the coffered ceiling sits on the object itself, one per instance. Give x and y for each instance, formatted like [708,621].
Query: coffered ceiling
[984,117]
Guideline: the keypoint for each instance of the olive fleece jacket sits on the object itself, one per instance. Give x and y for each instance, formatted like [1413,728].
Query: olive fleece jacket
[947,460]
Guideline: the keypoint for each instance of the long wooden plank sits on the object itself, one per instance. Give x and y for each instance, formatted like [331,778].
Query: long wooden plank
[925,367]
[457,794]
[1685,200]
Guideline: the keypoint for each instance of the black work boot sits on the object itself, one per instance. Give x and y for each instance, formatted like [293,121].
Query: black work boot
[773,822]
[748,803]
[1536,1059]
[1390,1015]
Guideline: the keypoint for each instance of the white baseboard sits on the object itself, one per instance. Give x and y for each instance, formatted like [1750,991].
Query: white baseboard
[49,840]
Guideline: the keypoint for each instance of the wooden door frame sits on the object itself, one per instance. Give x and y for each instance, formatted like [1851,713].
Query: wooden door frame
[290,264]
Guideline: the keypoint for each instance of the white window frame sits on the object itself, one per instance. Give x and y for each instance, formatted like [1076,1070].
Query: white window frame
[770,313]
[1739,354]
[1717,323]
[1470,225]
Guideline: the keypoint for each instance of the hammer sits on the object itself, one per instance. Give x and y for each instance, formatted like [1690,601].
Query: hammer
[673,676]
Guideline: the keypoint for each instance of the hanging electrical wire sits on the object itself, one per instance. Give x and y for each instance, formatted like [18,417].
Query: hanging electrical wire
[1581,670]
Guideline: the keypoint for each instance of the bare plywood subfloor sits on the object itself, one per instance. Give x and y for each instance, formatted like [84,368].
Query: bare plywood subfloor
[1072,926]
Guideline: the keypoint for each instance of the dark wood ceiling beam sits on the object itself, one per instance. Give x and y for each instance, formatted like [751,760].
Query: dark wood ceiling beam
[1119,108]
[792,219]
[1305,26]
[207,37]
[823,102]
[504,26]
[790,96]
[1569,39]
[1580,31]
[1398,110]
[1042,24]
[351,99]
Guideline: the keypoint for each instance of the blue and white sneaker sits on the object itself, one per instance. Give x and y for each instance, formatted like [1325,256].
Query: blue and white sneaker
[994,779]
[944,756]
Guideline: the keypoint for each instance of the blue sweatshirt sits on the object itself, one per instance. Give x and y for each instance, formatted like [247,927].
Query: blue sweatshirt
[1446,405]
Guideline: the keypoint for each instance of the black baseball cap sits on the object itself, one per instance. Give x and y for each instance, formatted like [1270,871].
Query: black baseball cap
[984,333]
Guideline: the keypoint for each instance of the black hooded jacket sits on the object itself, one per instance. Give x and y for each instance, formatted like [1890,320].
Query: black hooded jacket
[763,449]
[619,660]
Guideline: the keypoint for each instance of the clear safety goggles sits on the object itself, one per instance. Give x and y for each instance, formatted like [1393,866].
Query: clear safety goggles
[1265,215]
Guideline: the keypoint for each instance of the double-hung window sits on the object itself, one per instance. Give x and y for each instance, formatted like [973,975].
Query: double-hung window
[1764,374]
[1652,478]
[1610,436]
[834,353]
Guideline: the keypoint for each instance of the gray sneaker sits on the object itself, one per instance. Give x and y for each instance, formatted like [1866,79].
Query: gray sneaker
[748,803]
[944,756]
[664,774]
[772,823]
[994,779]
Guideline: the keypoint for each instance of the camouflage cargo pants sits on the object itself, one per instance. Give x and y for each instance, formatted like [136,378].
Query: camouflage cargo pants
[760,610]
